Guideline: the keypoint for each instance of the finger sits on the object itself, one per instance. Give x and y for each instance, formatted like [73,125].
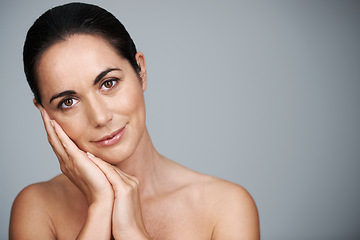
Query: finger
[68,145]
[128,178]
[52,137]
[113,169]
[116,177]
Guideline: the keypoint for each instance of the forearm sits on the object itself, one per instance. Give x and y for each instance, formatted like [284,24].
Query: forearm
[139,236]
[97,225]
[133,233]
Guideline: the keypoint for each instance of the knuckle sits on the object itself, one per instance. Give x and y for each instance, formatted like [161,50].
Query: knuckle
[59,157]
[125,190]
[51,142]
[63,168]
[137,182]
[134,186]
[65,146]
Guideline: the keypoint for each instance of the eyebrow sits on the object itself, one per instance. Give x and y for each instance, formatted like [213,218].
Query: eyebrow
[64,93]
[97,79]
[103,74]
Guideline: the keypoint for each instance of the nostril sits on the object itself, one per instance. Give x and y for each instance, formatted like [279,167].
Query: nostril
[99,114]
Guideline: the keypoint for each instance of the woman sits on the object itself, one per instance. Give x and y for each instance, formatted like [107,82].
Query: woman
[88,82]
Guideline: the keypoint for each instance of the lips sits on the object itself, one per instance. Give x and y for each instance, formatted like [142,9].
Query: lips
[112,138]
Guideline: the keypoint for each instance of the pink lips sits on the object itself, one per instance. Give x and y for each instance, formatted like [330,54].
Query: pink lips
[112,138]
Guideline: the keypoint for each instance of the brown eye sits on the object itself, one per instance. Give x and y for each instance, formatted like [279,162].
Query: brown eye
[68,102]
[108,84]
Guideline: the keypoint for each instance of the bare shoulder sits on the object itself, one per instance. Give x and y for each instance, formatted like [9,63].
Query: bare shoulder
[231,208]
[212,190]
[31,211]
[222,191]
[216,190]
[234,210]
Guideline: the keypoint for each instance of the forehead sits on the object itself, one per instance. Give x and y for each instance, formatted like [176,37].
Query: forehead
[77,58]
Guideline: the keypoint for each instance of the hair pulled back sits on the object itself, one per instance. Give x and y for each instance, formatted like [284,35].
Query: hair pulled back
[63,21]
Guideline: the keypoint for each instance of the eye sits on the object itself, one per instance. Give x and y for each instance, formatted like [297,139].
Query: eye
[108,84]
[67,103]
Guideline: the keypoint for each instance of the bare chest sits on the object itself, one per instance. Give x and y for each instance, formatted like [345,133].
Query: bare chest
[163,220]
[177,222]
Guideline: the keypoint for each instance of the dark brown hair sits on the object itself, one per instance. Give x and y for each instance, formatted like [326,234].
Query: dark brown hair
[63,21]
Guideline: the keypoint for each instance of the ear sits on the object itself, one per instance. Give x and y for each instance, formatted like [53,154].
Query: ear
[140,59]
[37,105]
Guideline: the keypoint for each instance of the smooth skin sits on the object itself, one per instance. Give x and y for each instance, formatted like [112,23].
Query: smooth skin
[125,190]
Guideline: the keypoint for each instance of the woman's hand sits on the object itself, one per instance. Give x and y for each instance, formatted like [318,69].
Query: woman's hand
[76,165]
[127,221]
[102,184]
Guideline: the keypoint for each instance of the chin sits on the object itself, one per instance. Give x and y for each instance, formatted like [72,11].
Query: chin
[115,155]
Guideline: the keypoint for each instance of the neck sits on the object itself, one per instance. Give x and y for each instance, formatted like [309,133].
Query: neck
[144,164]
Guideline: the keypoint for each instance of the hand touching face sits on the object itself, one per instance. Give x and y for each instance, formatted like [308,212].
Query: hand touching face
[95,95]
[95,100]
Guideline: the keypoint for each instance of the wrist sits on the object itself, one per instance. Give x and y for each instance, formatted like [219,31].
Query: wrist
[103,200]
[101,207]
[98,222]
[134,235]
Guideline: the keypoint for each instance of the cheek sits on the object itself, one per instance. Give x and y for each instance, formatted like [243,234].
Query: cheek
[138,108]
[74,127]
[131,104]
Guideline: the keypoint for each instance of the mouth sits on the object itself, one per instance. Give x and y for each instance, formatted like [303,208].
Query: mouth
[112,138]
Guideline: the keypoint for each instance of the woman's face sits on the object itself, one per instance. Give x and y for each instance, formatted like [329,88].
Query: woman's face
[95,95]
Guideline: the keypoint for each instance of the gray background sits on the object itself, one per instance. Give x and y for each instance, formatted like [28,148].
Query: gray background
[261,93]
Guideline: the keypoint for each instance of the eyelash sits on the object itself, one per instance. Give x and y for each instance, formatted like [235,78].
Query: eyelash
[114,82]
[62,102]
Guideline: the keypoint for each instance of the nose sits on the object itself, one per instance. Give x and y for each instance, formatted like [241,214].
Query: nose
[99,112]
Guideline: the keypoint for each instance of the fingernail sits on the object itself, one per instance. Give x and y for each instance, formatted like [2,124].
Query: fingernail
[52,123]
[90,155]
